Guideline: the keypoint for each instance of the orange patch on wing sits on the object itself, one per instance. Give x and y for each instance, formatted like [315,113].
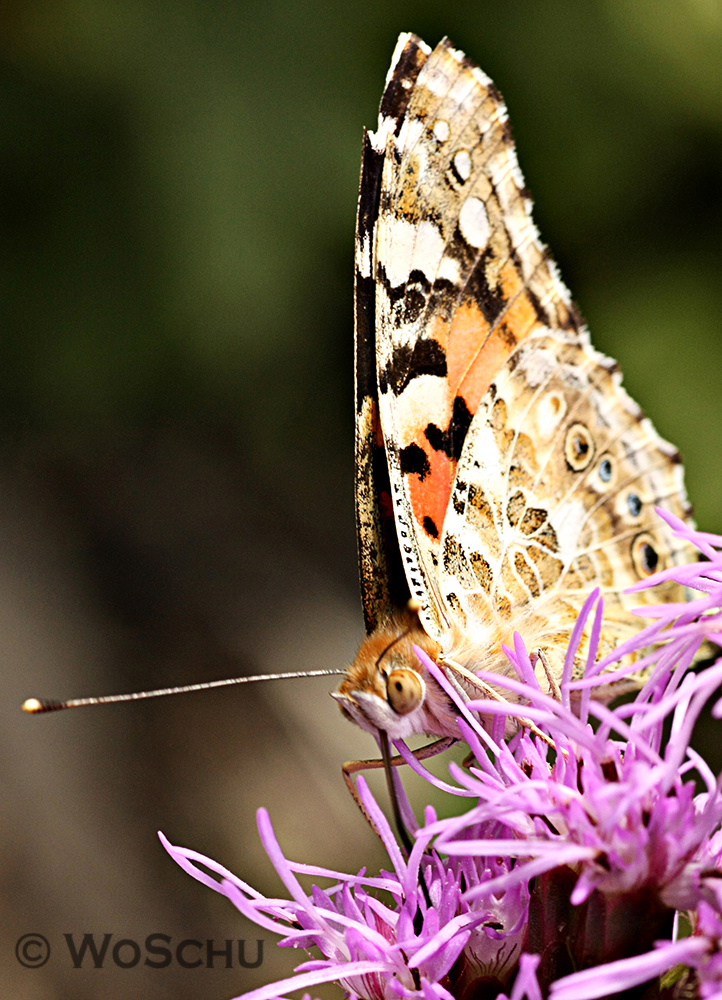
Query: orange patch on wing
[521,318]
[474,357]
[430,496]
[510,281]
[487,364]
[469,329]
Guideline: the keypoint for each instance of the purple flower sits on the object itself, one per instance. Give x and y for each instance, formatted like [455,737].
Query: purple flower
[582,845]
[375,951]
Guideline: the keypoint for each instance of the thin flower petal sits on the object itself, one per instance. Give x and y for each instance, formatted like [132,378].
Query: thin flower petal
[329,975]
[614,977]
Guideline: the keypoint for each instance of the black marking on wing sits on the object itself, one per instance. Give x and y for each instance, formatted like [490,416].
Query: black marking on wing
[412,293]
[457,176]
[427,357]
[430,527]
[491,301]
[417,291]
[398,90]
[413,461]
[368,208]
[451,441]
[443,298]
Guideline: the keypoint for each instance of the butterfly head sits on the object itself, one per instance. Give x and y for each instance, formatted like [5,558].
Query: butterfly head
[386,688]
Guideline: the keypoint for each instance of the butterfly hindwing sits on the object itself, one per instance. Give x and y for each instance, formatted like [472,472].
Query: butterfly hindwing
[383,581]
[554,495]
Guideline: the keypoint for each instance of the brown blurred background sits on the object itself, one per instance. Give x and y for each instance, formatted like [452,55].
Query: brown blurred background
[177,199]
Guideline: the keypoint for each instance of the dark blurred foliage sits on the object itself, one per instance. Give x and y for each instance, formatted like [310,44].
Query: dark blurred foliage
[177,199]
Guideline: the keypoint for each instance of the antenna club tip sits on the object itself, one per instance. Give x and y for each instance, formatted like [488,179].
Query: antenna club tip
[31,706]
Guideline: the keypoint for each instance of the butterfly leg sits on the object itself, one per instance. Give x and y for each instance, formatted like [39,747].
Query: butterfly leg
[387,762]
[541,657]
[485,690]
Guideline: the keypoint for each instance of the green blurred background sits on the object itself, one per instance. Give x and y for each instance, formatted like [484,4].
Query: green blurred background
[177,200]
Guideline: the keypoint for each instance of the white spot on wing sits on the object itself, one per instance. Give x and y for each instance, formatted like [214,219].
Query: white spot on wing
[379,138]
[363,255]
[449,270]
[407,246]
[567,522]
[480,76]
[462,164]
[474,223]
[441,130]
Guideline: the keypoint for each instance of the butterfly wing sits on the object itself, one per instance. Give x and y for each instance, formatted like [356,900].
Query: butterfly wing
[461,279]
[554,495]
[482,360]
[383,581]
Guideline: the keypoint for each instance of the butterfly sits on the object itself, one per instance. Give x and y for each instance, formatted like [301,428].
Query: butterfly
[502,471]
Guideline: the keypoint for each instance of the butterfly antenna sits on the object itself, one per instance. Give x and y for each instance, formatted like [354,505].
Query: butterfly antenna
[382,654]
[34,706]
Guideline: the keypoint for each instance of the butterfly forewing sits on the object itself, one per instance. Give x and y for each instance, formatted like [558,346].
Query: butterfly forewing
[519,472]
[461,279]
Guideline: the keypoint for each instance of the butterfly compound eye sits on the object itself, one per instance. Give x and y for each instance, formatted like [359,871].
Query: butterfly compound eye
[404,690]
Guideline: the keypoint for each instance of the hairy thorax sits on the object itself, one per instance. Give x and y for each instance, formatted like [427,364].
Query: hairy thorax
[388,688]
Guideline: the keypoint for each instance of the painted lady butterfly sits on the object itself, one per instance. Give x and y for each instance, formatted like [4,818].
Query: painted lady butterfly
[502,472]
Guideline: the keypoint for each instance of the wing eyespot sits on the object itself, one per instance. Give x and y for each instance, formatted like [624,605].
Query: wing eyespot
[578,447]
[404,690]
[644,555]
[605,473]
[634,504]
[605,470]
